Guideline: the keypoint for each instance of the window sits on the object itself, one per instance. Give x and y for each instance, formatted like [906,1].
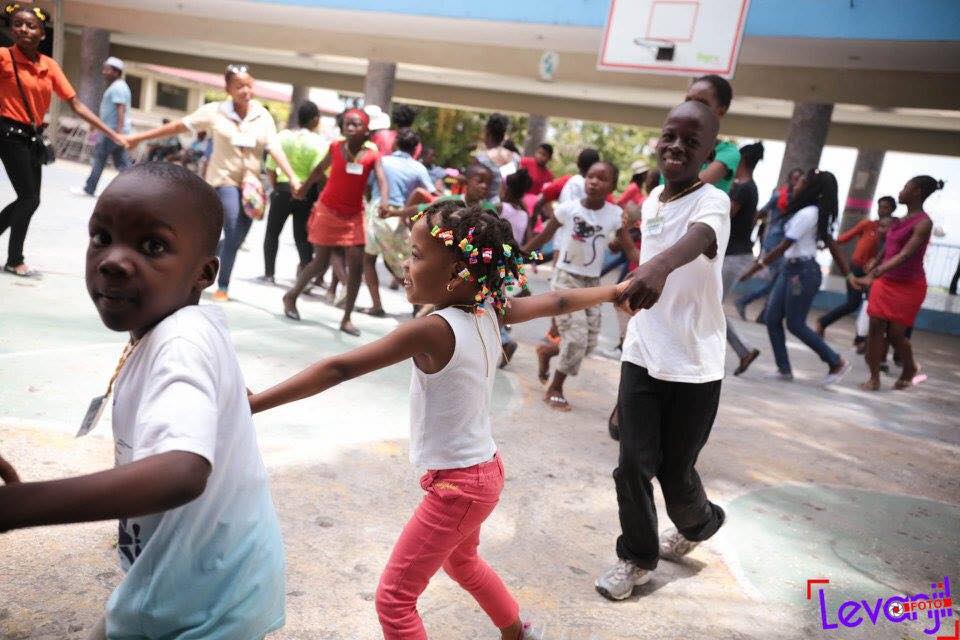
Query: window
[136,87]
[172,96]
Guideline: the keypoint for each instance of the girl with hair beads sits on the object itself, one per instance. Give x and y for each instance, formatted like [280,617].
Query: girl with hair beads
[463,261]
[898,285]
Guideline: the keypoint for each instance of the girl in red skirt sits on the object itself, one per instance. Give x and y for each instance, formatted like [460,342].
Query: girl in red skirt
[898,284]
[337,217]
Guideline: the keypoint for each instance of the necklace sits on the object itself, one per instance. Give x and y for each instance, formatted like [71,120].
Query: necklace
[676,196]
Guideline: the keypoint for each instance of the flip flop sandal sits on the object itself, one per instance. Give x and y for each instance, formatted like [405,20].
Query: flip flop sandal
[557,402]
[375,313]
[29,273]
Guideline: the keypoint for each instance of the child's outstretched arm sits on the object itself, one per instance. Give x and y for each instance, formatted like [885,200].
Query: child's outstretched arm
[429,340]
[156,483]
[560,301]
[646,284]
[543,237]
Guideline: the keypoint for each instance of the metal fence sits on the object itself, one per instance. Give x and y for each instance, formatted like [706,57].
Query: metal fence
[940,263]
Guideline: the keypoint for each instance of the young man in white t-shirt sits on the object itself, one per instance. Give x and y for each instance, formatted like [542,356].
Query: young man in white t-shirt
[583,229]
[199,540]
[673,355]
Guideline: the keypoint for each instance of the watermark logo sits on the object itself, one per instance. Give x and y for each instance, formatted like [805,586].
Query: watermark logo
[936,605]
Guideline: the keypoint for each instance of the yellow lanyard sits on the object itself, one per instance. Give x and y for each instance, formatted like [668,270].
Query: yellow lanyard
[127,352]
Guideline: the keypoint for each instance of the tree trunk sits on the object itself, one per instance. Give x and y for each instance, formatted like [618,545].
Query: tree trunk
[94,49]
[863,186]
[805,137]
[536,133]
[299,95]
[378,84]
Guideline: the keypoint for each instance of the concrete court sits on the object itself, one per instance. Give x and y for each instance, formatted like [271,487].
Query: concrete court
[857,488]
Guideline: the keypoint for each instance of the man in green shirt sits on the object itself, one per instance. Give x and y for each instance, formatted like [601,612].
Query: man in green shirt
[305,149]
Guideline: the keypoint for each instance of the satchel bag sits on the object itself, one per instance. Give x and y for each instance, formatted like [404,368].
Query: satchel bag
[40,146]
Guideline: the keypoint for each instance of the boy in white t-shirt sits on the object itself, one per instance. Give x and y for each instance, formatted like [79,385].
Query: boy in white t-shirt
[199,539]
[583,229]
[672,356]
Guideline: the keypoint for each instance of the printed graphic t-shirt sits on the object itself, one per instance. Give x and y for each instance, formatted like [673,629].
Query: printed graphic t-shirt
[682,337]
[582,239]
[212,568]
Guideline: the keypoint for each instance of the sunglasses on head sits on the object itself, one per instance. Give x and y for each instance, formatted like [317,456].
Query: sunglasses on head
[236,68]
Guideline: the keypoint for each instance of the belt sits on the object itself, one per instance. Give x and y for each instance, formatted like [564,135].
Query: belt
[800,260]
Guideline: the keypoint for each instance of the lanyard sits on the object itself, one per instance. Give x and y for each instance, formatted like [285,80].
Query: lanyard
[95,409]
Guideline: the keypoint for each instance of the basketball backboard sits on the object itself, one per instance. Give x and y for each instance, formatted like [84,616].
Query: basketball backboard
[673,37]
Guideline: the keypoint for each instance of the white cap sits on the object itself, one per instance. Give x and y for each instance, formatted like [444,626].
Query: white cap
[114,62]
[639,166]
[378,119]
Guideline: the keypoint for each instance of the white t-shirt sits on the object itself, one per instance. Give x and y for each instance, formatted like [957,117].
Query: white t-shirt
[583,236]
[682,337]
[212,568]
[450,409]
[574,189]
[802,229]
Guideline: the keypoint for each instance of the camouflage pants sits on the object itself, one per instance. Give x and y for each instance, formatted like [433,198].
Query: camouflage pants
[578,330]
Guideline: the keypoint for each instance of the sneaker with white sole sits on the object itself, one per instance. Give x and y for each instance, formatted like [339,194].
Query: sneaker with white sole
[673,546]
[618,581]
[833,378]
[780,375]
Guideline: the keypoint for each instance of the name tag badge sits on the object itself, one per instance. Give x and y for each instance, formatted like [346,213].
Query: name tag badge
[355,168]
[244,140]
[92,417]
[654,226]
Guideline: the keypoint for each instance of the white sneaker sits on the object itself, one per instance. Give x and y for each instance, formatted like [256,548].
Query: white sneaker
[80,191]
[674,546]
[833,378]
[618,581]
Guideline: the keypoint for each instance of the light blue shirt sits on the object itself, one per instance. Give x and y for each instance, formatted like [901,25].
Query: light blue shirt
[404,174]
[117,93]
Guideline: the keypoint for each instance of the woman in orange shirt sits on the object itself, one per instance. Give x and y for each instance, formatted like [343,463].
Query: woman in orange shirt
[27,80]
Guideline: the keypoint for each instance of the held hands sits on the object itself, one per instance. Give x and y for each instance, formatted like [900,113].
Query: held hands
[384,210]
[296,187]
[122,140]
[643,289]
[860,284]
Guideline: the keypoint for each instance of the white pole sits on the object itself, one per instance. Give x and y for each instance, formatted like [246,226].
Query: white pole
[59,33]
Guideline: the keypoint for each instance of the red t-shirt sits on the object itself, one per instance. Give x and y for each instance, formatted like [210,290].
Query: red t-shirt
[551,191]
[343,193]
[539,175]
[631,194]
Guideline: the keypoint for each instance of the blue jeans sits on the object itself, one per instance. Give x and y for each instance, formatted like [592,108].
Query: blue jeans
[236,224]
[791,298]
[105,148]
[765,290]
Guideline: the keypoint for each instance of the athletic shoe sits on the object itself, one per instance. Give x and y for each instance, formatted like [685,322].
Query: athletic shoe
[746,361]
[220,296]
[780,375]
[265,279]
[618,581]
[833,378]
[673,546]
[80,191]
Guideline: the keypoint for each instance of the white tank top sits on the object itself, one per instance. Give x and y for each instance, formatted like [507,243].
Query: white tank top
[450,409]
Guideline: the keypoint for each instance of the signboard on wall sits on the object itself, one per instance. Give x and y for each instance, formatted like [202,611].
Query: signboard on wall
[673,37]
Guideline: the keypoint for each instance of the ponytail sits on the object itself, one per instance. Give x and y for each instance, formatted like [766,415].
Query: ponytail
[927,185]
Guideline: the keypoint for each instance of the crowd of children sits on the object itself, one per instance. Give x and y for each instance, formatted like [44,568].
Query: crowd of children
[199,539]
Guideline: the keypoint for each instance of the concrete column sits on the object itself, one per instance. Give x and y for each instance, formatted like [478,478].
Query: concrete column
[59,37]
[805,137]
[299,94]
[536,133]
[863,187]
[94,49]
[378,83]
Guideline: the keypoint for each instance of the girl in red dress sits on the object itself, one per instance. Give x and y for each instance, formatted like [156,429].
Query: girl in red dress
[898,284]
[337,217]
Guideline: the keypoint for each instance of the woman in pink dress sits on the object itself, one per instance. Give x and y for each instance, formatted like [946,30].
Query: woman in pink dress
[898,284]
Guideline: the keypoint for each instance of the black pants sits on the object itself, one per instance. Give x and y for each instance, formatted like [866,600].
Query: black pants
[282,205]
[663,426]
[24,174]
[852,303]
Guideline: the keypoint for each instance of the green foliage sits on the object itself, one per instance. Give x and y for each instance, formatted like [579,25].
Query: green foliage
[455,134]
[621,145]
